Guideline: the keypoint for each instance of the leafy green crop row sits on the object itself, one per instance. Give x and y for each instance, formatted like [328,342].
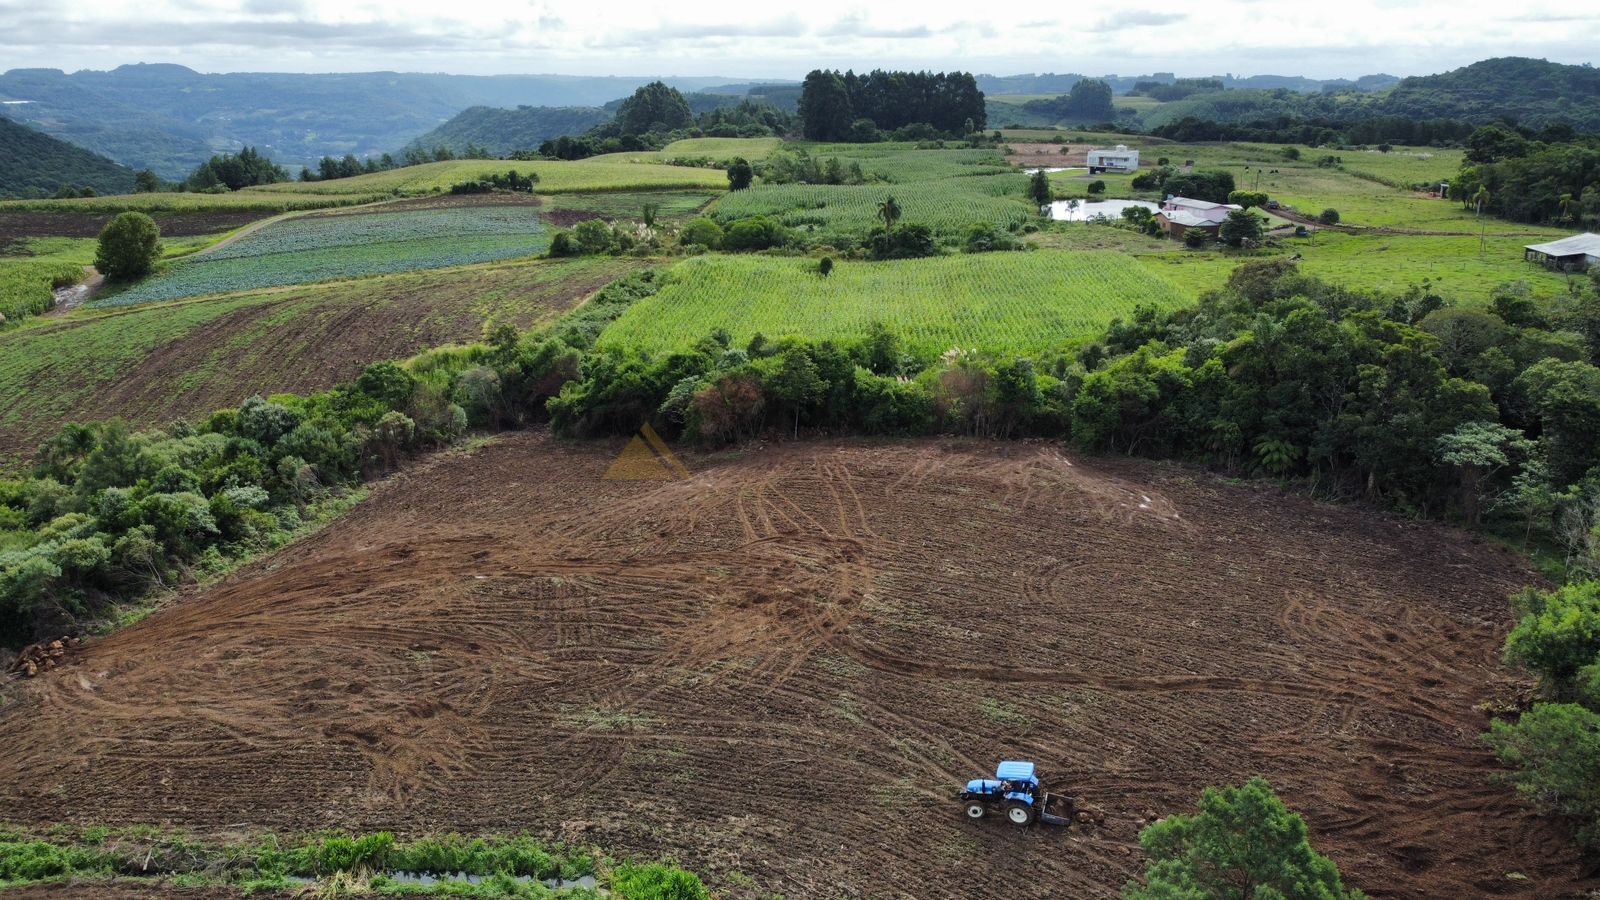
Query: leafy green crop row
[319,248]
[27,285]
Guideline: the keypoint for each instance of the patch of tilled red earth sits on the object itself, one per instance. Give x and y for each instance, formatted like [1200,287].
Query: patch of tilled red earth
[786,665]
[17,226]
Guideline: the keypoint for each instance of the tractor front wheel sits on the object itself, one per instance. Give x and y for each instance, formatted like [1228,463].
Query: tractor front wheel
[1019,813]
[975,810]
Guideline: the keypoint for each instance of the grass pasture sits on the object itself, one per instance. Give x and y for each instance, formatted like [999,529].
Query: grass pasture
[670,205]
[899,163]
[1452,265]
[323,247]
[149,364]
[947,190]
[947,206]
[286,197]
[1012,302]
[555,177]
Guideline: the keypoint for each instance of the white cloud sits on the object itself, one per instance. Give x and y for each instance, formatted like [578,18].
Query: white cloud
[720,37]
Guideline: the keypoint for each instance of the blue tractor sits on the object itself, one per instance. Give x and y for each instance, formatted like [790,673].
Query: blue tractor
[1017,791]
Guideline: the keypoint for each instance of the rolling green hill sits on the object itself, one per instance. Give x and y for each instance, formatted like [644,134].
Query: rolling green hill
[34,164]
[1530,92]
[501,131]
[1533,92]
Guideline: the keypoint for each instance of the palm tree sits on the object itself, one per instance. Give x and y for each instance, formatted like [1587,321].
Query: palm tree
[1565,204]
[1072,208]
[889,211]
[1481,198]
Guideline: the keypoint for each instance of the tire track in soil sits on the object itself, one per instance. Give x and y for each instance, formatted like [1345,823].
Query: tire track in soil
[786,664]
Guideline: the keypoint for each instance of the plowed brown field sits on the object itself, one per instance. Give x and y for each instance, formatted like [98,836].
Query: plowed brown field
[785,665]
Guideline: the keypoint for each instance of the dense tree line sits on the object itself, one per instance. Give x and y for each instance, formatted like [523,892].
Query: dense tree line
[656,115]
[1089,101]
[227,171]
[1531,180]
[329,168]
[833,103]
[1177,89]
[1319,132]
[1215,185]
[1556,743]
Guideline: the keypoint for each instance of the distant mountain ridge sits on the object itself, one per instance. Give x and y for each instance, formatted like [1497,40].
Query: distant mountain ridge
[1050,83]
[501,131]
[170,118]
[34,164]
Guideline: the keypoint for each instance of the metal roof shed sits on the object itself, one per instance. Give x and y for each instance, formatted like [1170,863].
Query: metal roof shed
[1573,254]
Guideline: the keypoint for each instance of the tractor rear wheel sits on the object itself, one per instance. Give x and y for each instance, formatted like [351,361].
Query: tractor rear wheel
[975,810]
[1019,813]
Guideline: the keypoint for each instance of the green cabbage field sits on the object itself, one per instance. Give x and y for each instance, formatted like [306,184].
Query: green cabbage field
[323,247]
[1011,302]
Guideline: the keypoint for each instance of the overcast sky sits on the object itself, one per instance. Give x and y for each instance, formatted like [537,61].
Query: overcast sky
[712,37]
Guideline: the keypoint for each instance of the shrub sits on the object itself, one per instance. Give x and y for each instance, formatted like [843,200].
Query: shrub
[1213,185]
[561,244]
[1558,635]
[658,882]
[1557,749]
[863,131]
[984,238]
[740,174]
[129,247]
[702,231]
[1241,225]
[1328,216]
[904,242]
[1243,843]
[757,233]
[1097,187]
[1248,199]
[1194,237]
[593,237]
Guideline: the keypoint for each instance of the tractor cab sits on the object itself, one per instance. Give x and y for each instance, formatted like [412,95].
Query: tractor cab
[1018,780]
[1016,790]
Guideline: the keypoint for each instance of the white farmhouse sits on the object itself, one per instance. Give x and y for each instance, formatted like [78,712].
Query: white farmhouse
[1119,160]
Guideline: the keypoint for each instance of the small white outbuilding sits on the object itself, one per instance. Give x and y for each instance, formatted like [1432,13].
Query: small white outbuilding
[1120,159]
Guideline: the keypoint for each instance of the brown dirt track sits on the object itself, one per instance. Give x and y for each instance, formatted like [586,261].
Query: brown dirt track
[786,664]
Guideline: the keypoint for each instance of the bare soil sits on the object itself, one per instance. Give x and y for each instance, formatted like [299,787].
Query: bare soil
[1050,156]
[18,226]
[786,665]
